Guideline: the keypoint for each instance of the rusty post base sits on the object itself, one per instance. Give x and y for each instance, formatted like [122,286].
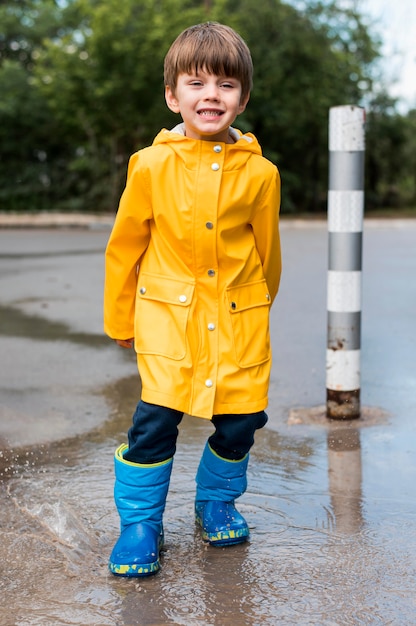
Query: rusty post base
[343,405]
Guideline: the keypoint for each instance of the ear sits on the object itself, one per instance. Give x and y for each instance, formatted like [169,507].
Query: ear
[243,104]
[171,100]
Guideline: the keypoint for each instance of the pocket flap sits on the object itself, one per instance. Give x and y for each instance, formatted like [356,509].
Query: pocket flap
[165,289]
[248,296]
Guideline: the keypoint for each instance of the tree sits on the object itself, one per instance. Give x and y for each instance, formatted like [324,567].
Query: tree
[385,142]
[408,187]
[25,23]
[92,73]
[27,129]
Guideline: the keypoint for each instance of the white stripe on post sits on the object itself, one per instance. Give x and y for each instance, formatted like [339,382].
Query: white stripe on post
[345,225]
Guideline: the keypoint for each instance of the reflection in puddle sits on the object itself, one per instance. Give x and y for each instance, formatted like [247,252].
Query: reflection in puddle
[312,559]
[345,478]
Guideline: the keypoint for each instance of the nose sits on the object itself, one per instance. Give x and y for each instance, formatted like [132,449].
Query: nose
[211,92]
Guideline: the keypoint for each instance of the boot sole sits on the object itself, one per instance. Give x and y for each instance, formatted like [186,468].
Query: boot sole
[223,537]
[134,571]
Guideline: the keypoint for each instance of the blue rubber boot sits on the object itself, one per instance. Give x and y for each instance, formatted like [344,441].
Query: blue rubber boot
[140,494]
[219,482]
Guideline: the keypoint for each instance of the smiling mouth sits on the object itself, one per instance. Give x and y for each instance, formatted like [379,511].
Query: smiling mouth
[209,113]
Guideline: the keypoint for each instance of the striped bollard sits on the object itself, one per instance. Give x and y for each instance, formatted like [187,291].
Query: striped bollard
[345,226]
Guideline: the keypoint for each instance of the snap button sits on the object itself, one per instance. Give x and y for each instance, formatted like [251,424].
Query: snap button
[182,298]
[217,148]
[142,290]
[211,326]
[267,296]
[211,272]
[215,167]
[208,383]
[233,305]
[209,225]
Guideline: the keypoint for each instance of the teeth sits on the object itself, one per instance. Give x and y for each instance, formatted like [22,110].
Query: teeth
[210,113]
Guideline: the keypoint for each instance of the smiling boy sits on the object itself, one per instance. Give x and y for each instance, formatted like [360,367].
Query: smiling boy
[192,267]
[207,103]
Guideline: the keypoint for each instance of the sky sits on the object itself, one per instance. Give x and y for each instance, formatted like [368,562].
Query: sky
[395,22]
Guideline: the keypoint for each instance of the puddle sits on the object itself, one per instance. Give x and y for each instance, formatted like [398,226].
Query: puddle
[16,323]
[325,549]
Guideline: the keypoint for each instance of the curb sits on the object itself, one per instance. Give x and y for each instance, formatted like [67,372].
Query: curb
[55,220]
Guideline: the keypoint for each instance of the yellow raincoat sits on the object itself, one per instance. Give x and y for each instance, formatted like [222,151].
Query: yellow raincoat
[192,267]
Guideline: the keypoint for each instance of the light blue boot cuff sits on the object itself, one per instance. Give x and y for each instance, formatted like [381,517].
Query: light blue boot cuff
[220,479]
[140,490]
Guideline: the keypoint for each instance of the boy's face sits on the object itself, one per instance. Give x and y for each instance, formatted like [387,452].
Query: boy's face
[207,103]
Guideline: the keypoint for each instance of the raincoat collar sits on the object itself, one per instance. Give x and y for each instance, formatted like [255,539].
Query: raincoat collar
[234,133]
[245,144]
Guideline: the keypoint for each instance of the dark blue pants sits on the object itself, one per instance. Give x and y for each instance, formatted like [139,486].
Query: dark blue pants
[153,435]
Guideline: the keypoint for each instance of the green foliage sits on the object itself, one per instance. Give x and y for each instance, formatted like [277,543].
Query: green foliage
[82,88]
[24,24]
[391,148]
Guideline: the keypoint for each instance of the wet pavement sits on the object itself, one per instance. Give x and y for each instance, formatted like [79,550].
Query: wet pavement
[331,506]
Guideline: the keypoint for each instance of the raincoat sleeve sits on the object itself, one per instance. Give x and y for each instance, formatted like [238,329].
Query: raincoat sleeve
[128,241]
[266,232]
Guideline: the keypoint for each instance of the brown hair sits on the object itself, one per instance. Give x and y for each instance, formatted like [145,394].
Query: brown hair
[212,47]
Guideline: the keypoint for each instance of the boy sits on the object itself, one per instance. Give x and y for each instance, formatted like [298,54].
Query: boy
[192,268]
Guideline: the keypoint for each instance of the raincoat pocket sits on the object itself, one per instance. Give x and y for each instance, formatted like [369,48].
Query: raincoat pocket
[249,307]
[161,316]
